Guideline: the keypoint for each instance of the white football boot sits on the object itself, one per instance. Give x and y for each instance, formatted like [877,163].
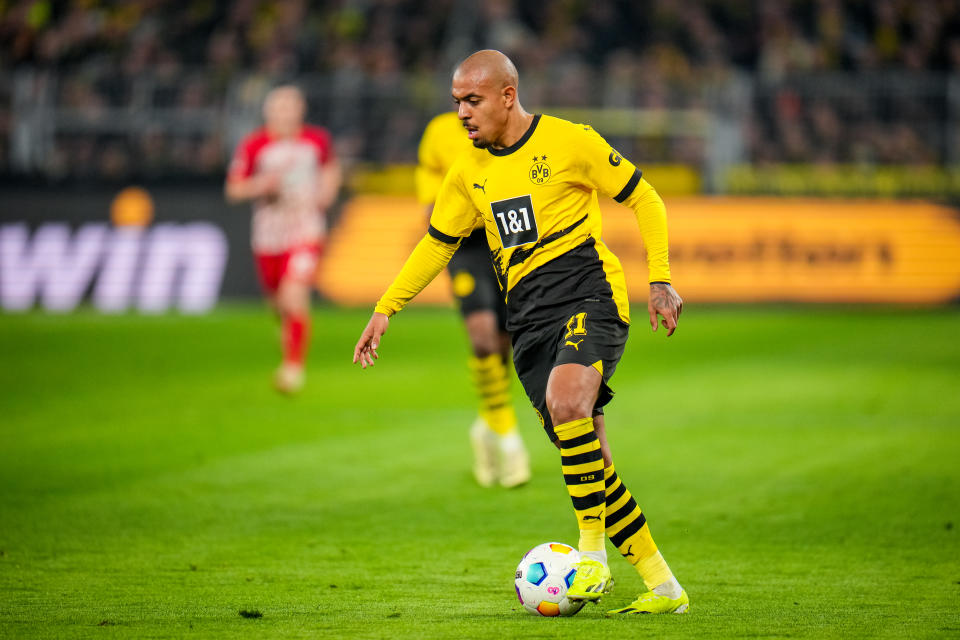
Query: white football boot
[485,454]
[514,461]
[289,378]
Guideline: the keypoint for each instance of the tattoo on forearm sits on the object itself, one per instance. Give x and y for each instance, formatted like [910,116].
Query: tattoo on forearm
[660,296]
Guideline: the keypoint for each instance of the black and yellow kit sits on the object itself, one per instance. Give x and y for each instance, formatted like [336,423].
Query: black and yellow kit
[472,278]
[537,201]
[565,291]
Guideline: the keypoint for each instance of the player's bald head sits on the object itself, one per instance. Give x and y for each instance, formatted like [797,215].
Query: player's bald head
[488,66]
[484,88]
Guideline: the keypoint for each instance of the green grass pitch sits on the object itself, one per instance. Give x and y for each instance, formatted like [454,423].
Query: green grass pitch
[800,470]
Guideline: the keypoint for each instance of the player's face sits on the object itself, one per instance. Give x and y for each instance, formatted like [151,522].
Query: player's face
[283,111]
[481,107]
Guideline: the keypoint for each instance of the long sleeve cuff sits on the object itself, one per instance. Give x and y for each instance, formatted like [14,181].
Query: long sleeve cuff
[425,263]
[652,220]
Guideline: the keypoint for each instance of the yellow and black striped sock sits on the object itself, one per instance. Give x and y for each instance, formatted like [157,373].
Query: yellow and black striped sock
[492,381]
[629,532]
[582,465]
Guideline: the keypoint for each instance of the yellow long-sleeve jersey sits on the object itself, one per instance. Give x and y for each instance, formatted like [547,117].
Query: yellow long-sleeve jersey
[537,200]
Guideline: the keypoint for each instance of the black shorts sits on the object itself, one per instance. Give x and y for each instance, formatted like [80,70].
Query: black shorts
[587,332]
[474,281]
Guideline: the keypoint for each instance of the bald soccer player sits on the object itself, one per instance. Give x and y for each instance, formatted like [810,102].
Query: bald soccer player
[289,170]
[499,455]
[567,307]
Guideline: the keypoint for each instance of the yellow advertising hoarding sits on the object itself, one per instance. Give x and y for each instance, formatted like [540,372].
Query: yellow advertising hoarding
[368,247]
[723,249]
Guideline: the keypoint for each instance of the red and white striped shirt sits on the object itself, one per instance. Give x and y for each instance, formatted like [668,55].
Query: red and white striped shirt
[293,218]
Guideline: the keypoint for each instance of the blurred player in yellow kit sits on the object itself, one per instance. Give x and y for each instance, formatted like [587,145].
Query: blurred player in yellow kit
[499,453]
[533,181]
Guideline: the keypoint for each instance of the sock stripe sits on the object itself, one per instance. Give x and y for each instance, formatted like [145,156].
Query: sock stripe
[496,378]
[622,512]
[495,400]
[616,506]
[493,385]
[484,368]
[611,479]
[621,536]
[577,440]
[589,501]
[581,469]
[616,494]
[488,388]
[572,451]
[581,458]
[624,521]
[487,362]
[582,490]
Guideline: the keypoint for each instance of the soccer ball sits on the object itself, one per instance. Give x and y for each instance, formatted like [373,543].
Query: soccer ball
[543,576]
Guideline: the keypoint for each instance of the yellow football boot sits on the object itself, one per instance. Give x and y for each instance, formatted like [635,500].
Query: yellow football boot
[593,579]
[651,602]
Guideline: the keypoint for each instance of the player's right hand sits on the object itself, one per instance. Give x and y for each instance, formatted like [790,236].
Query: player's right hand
[366,350]
[268,184]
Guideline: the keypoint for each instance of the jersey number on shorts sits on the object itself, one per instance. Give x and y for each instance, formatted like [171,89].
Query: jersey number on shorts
[515,220]
[577,325]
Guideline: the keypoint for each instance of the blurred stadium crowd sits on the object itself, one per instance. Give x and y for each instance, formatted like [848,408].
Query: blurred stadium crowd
[153,88]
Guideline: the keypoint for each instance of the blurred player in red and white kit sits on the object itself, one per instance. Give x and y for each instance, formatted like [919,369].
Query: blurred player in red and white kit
[289,170]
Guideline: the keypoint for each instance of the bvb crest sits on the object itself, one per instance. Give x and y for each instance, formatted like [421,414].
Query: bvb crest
[540,171]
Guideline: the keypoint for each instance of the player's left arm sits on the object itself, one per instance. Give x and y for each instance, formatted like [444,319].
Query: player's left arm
[613,175]
[331,179]
[329,171]
[651,215]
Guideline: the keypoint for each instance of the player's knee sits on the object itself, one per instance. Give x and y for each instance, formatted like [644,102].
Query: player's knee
[482,331]
[484,345]
[293,299]
[567,408]
[287,306]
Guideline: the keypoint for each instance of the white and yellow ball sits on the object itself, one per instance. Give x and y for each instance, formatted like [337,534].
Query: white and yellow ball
[543,577]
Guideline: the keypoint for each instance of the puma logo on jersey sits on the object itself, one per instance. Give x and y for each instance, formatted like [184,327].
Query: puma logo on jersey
[482,187]
[597,517]
[575,345]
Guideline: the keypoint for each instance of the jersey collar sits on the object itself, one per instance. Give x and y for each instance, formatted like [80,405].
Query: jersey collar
[519,143]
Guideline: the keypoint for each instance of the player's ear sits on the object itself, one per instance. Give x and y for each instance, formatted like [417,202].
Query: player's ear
[509,96]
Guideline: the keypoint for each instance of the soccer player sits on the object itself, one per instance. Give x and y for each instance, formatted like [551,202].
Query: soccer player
[499,454]
[533,180]
[290,172]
